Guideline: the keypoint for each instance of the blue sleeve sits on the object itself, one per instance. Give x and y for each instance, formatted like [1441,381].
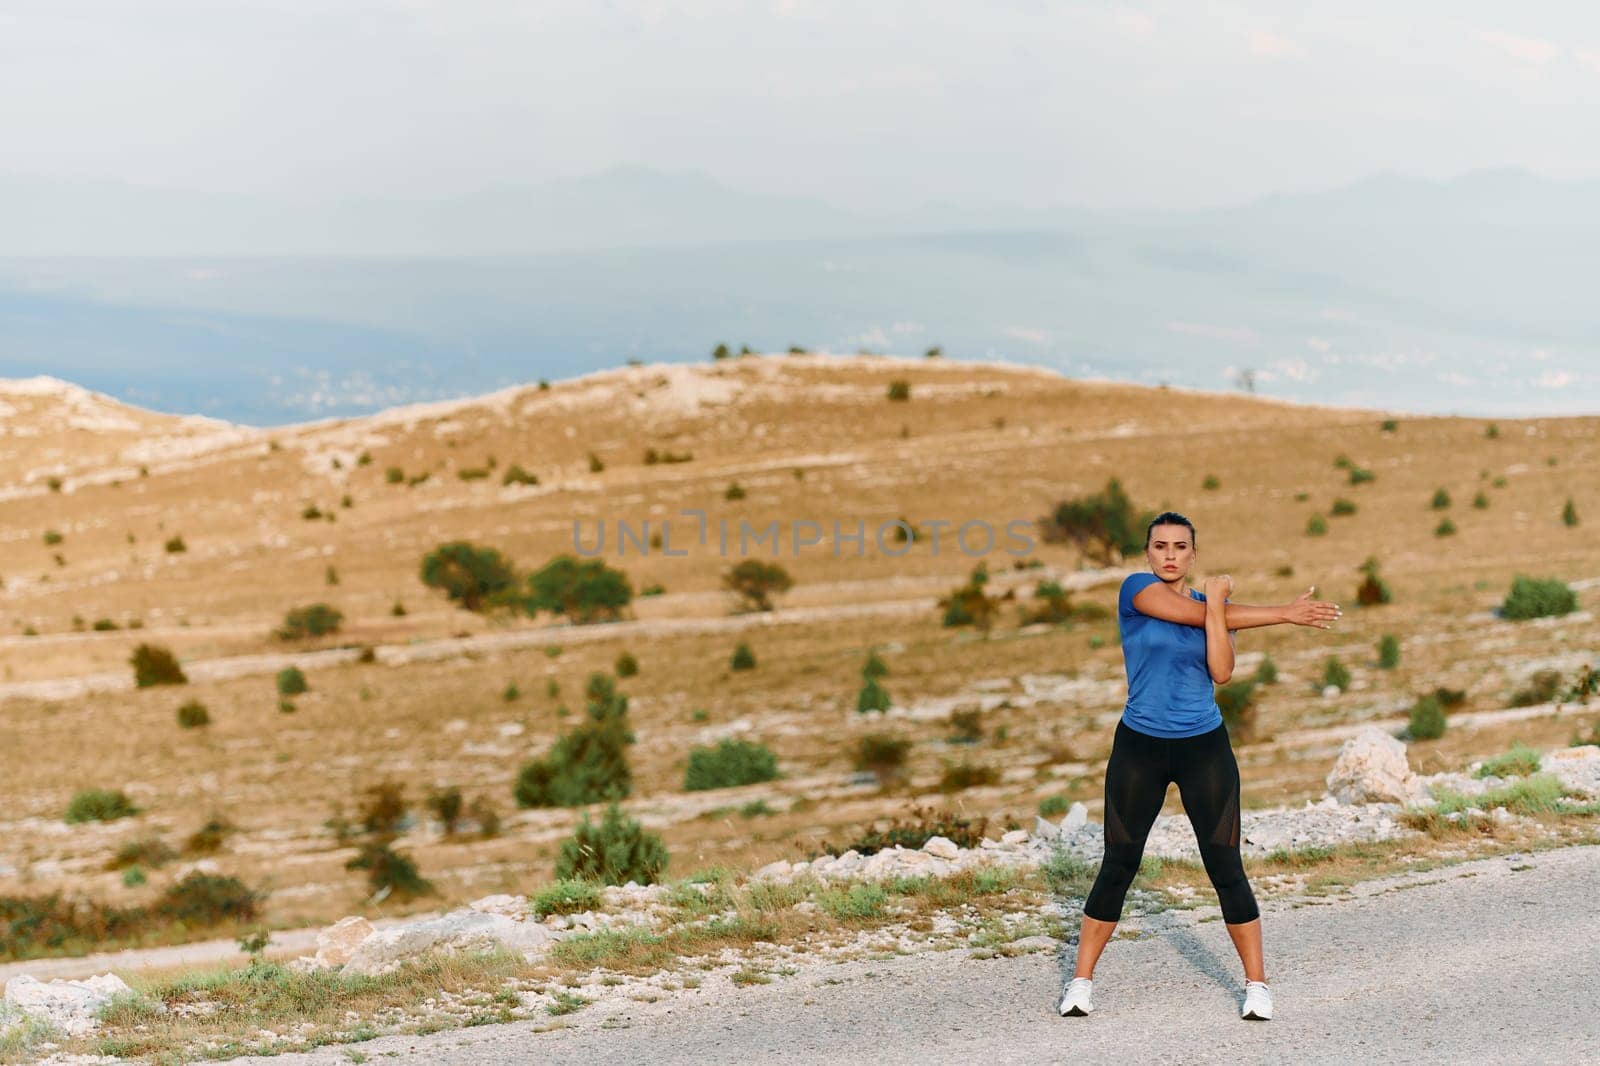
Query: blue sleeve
[1132,585]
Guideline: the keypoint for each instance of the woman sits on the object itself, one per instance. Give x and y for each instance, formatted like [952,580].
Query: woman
[1176,644]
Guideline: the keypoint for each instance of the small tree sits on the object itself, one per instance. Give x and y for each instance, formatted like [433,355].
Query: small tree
[469,575]
[969,605]
[743,658]
[616,851]
[446,804]
[882,755]
[193,714]
[1104,526]
[155,665]
[627,665]
[1335,673]
[1372,589]
[872,697]
[1388,652]
[1536,598]
[899,390]
[1316,526]
[291,681]
[317,620]
[1441,499]
[390,874]
[755,582]
[585,590]
[874,667]
[588,764]
[1267,672]
[1427,720]
[99,805]
[1569,514]
[721,352]
[729,764]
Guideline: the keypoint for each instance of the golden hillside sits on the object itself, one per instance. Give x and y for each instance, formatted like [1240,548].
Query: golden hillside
[807,438]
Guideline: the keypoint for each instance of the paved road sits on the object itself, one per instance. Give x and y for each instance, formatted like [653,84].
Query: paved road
[1478,963]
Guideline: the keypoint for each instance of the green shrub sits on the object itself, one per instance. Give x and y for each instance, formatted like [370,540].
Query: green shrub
[174,545]
[319,619]
[899,390]
[584,590]
[383,808]
[146,851]
[588,764]
[446,804]
[1335,673]
[1236,701]
[873,697]
[285,705]
[488,819]
[515,475]
[1316,526]
[754,583]
[472,473]
[99,805]
[731,763]
[1210,483]
[1067,874]
[627,665]
[155,665]
[863,899]
[390,874]
[734,491]
[1480,501]
[1361,475]
[469,575]
[1054,806]
[1101,525]
[1520,761]
[1445,528]
[969,605]
[208,899]
[1389,425]
[616,851]
[1543,687]
[208,839]
[882,754]
[1372,590]
[510,693]
[1569,514]
[565,897]
[193,714]
[743,658]
[874,667]
[1535,598]
[1388,652]
[1491,431]
[1267,672]
[1342,506]
[958,777]
[1427,719]
[52,537]
[291,681]
[1441,499]
[394,475]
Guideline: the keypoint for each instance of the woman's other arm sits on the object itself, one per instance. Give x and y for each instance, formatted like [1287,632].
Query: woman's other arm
[1157,602]
[1219,642]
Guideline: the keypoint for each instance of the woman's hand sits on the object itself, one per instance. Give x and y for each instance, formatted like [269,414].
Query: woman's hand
[1305,611]
[1218,587]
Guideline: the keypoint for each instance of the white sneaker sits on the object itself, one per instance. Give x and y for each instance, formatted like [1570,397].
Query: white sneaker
[1257,1002]
[1075,1000]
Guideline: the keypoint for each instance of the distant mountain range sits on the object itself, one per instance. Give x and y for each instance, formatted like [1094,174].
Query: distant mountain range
[634,207]
[1470,296]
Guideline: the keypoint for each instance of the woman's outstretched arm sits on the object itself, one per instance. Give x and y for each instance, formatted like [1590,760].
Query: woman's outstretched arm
[1158,602]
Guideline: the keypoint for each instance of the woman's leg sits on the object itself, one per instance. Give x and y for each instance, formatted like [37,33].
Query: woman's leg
[1208,780]
[1136,786]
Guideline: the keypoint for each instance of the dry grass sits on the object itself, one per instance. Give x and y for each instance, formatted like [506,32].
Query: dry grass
[279,776]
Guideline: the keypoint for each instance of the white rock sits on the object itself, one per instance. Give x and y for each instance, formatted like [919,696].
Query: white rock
[457,931]
[503,903]
[1372,768]
[780,868]
[69,1006]
[942,847]
[1044,829]
[1576,768]
[340,940]
[1077,816]
[1330,691]
[1034,943]
[1015,836]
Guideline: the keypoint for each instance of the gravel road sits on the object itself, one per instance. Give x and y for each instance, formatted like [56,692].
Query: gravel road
[1493,961]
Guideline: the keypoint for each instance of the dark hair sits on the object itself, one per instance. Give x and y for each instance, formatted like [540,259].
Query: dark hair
[1170,518]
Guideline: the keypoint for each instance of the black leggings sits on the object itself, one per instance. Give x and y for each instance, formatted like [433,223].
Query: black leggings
[1137,775]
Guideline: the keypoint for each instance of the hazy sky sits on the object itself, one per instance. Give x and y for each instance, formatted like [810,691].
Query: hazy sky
[869,105]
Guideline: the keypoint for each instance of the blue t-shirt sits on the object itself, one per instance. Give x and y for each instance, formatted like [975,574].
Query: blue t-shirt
[1170,693]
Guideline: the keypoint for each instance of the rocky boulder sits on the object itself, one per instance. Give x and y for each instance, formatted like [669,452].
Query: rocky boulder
[1578,769]
[1372,768]
[69,1006]
[458,931]
[339,941]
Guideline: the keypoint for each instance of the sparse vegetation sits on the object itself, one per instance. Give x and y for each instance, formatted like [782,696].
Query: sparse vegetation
[390,874]
[291,681]
[155,665]
[588,764]
[1104,525]
[729,764]
[1388,652]
[1544,686]
[882,755]
[960,776]
[1334,673]
[743,658]
[1427,720]
[99,805]
[873,698]
[1538,598]
[1237,702]
[969,605]
[1372,590]
[316,620]
[899,389]
[1520,761]
[616,851]
[446,805]
[193,714]
[755,582]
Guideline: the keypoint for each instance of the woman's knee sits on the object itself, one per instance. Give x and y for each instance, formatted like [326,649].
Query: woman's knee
[1118,868]
[1226,870]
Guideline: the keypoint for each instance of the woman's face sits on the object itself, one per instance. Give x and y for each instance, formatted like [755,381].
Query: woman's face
[1171,552]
